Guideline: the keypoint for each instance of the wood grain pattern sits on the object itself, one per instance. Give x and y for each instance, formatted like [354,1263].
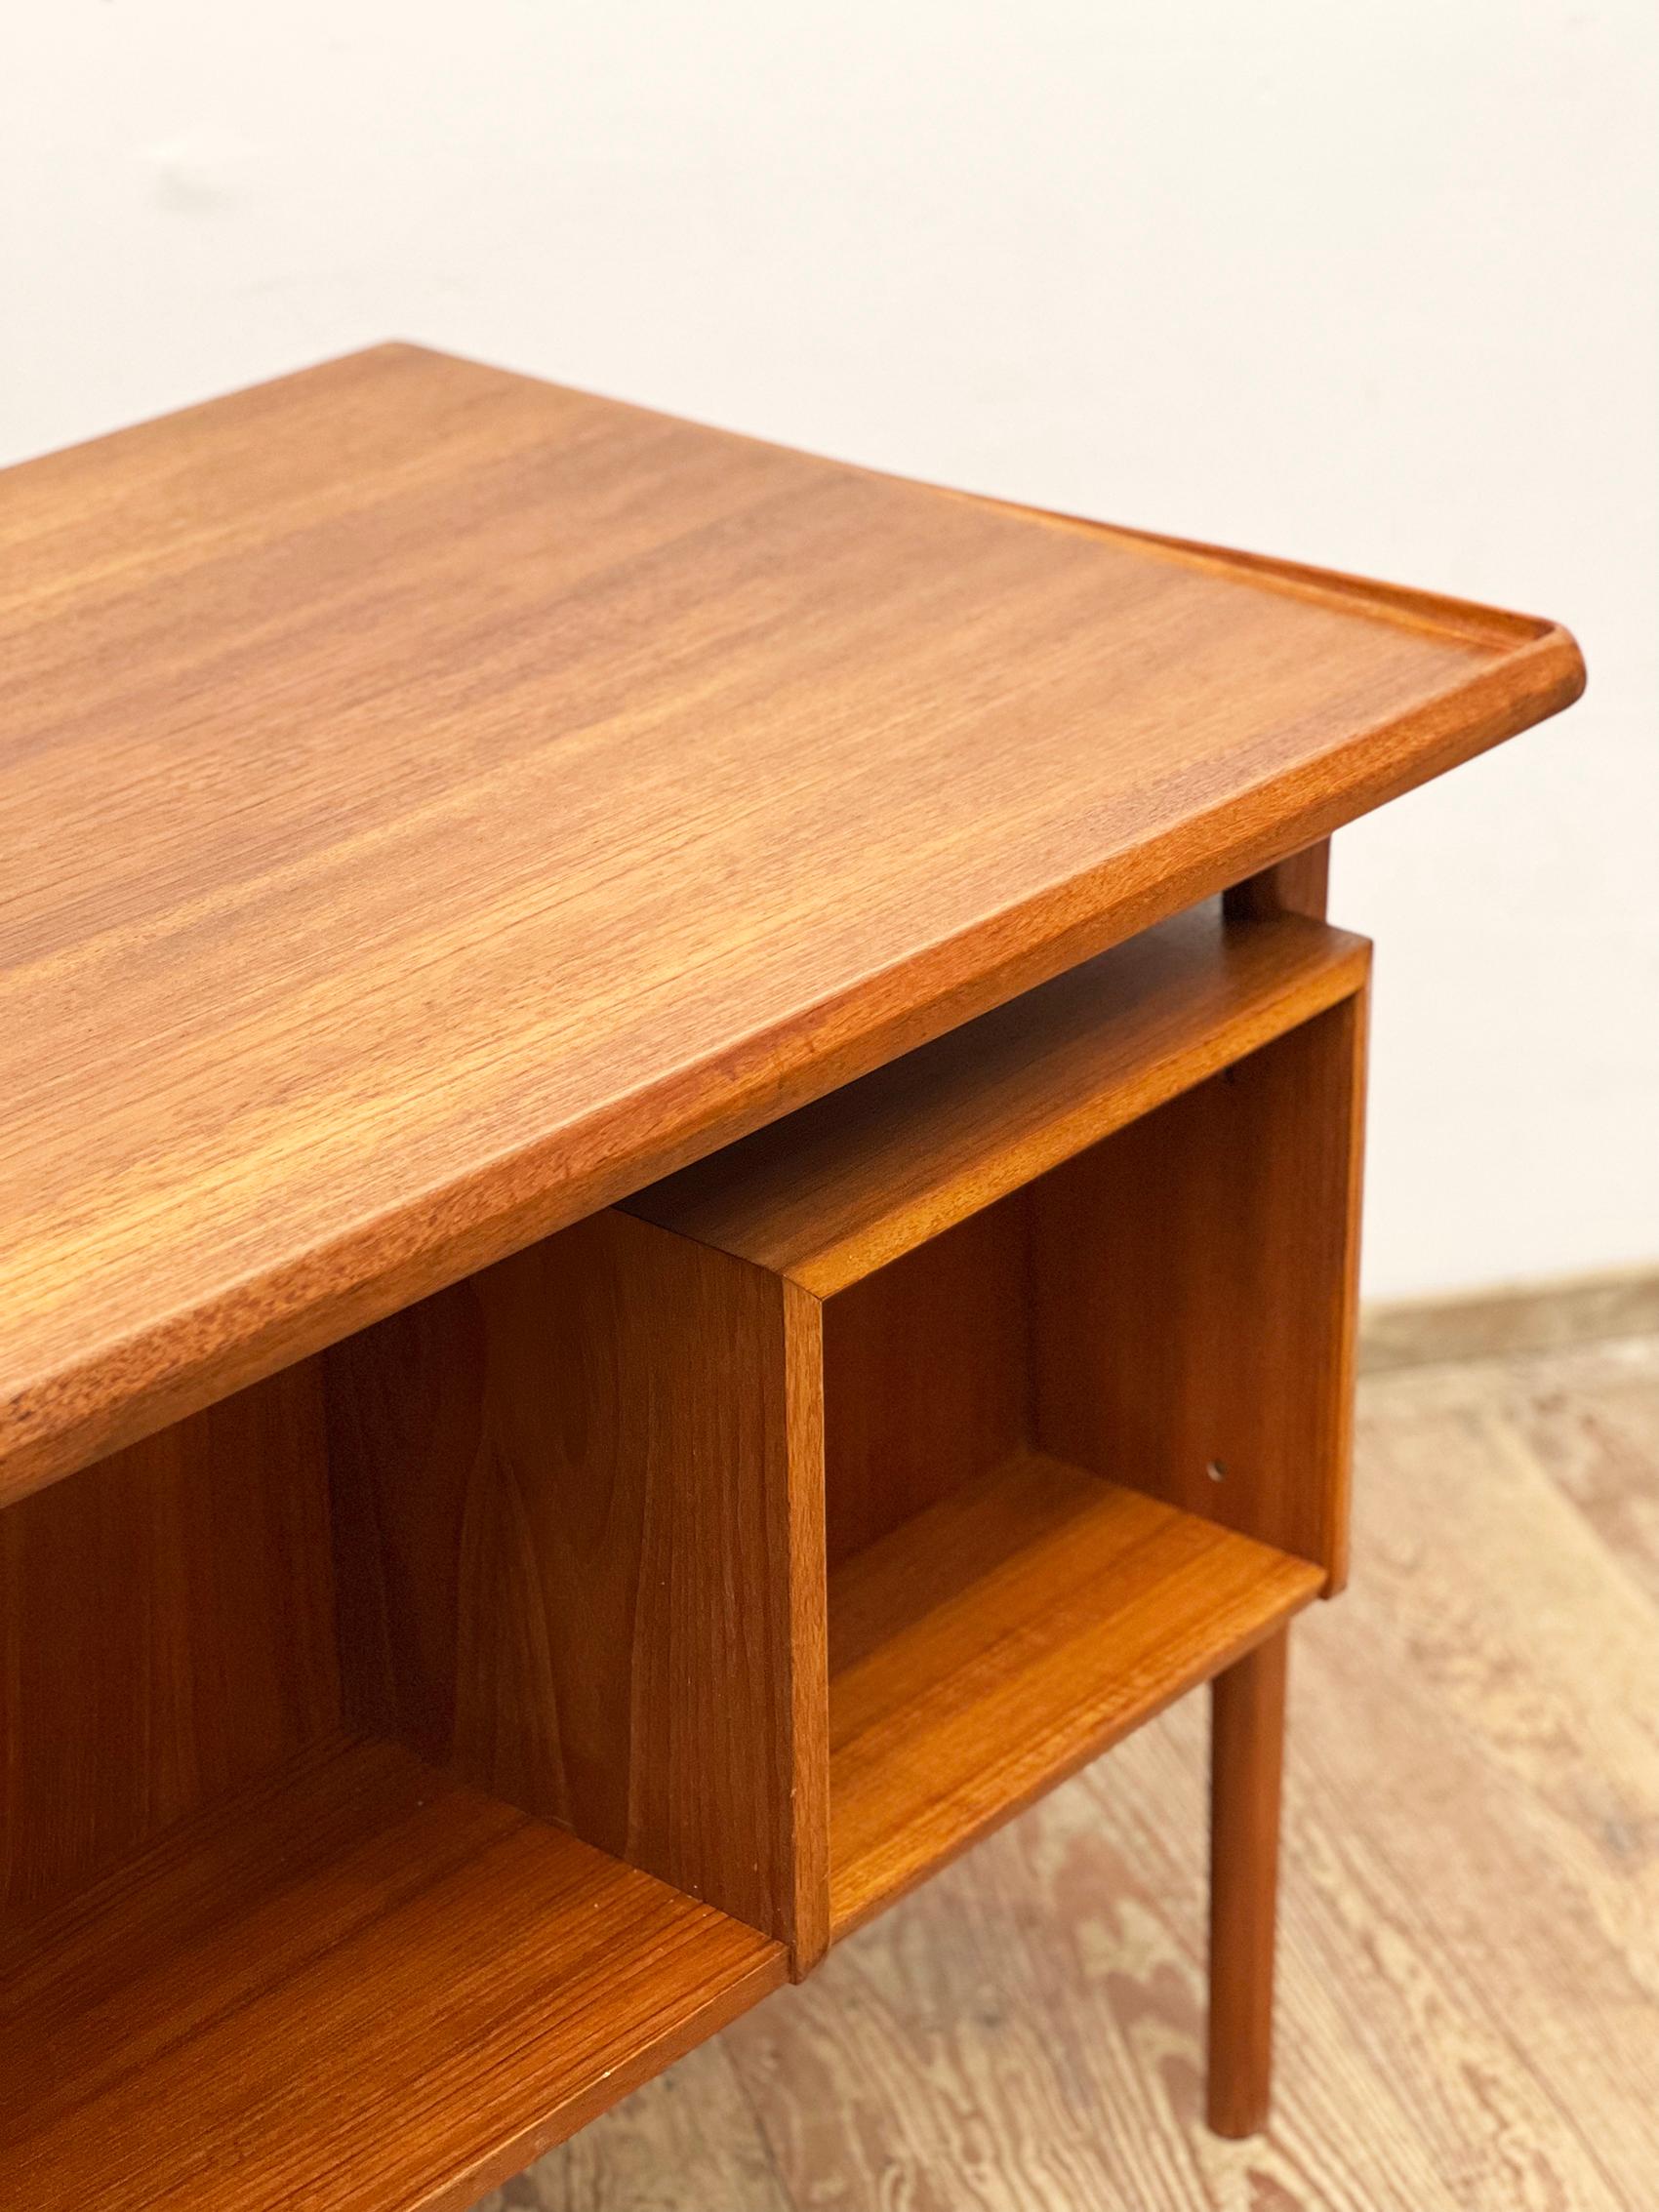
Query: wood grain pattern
[1547,1314]
[1593,1420]
[1196,1282]
[437,803]
[359,1988]
[579,1504]
[996,1642]
[1246,1770]
[926,1376]
[1469,2014]
[1297,885]
[687,2140]
[846,1186]
[166,1632]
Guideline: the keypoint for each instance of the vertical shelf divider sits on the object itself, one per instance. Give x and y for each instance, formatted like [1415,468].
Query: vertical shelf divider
[579,1524]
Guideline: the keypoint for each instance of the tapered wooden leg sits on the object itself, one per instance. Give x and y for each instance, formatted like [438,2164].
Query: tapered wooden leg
[1247,1763]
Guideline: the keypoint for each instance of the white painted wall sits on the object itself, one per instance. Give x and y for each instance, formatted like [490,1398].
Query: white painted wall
[1368,284]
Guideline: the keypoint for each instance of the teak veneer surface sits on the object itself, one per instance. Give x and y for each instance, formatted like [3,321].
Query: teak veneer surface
[1246,1781]
[436,803]
[167,1634]
[847,1185]
[1196,1284]
[580,1554]
[345,1990]
[1002,1640]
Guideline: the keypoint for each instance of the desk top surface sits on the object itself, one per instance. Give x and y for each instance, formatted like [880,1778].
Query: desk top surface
[436,803]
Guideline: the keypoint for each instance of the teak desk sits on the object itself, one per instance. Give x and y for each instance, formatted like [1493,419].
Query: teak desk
[681,1145]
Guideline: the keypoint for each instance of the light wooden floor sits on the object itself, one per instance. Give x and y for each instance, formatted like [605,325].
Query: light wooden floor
[1469,1953]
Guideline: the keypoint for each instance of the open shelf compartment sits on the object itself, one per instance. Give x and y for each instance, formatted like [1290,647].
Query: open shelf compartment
[1000,1639]
[1085,1285]
[256,1947]
[356,1985]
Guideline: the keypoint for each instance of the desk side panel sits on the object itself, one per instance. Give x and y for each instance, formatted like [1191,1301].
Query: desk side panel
[579,1512]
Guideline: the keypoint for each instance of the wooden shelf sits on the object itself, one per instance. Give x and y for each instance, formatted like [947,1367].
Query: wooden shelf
[996,1642]
[357,1987]
[842,1187]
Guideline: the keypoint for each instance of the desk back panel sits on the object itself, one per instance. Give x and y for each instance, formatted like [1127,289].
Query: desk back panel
[1197,1286]
[166,1632]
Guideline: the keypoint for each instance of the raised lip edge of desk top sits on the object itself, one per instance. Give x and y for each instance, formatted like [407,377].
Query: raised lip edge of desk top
[123,1388]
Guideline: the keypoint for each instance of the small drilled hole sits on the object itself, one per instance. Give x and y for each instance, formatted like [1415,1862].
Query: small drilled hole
[1216,1472]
